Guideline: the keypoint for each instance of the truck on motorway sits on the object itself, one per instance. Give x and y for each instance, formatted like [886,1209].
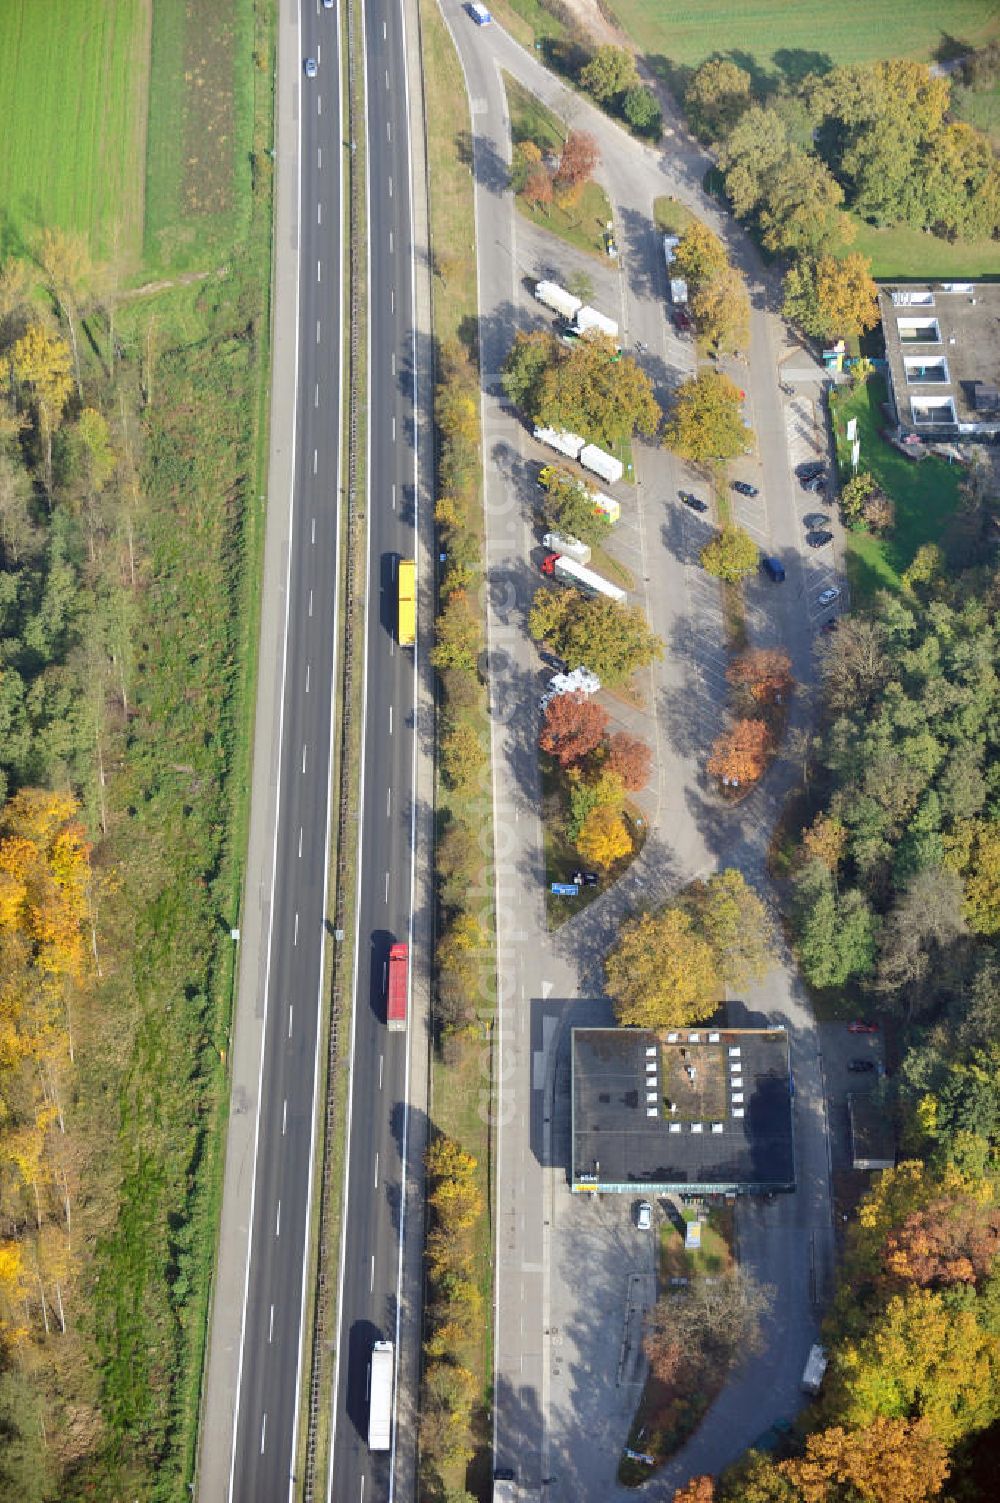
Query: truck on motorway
[559,542]
[603,464]
[381,1376]
[815,1369]
[589,321]
[558,299]
[406,614]
[558,566]
[569,444]
[398,987]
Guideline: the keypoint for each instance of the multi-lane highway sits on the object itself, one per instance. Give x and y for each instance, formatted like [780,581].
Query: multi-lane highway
[276,1302]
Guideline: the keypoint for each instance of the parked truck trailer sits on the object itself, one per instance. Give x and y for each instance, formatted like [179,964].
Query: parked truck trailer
[589,321]
[381,1378]
[558,566]
[560,542]
[558,299]
[601,463]
[569,444]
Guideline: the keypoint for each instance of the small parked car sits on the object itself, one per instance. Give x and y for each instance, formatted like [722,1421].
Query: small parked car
[745,488]
[311,67]
[695,502]
[814,519]
[861,1066]
[479,14]
[810,469]
[818,539]
[683,320]
[859,1026]
[773,568]
[552,661]
[829,596]
[815,487]
[644,1215]
[586,879]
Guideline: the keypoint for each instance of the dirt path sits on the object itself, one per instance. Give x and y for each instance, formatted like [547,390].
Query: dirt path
[593,19]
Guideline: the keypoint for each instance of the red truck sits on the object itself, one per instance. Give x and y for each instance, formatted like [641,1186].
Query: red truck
[399,967]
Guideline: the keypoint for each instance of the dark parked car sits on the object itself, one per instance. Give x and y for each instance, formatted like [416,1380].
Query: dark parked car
[695,502]
[815,487]
[818,539]
[860,1027]
[551,661]
[745,488]
[861,1066]
[773,568]
[586,879]
[810,469]
[814,519]
[683,320]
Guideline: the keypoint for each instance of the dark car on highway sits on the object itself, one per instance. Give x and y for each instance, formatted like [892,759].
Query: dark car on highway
[818,539]
[695,502]
[745,488]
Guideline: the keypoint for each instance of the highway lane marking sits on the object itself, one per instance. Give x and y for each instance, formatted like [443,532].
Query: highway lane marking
[295,937]
[307,678]
[390,187]
[304,750]
[319,158]
[316,404]
[393,483]
[381,1062]
[390,720]
[263,1433]
[284,1116]
[270,1327]
[376,1169]
[388,132]
[387,887]
[383,38]
[319,104]
[371,1287]
[392,299]
[387,77]
[291,1014]
[318,331]
[394,353]
[388,802]
[277,1221]
[394,430]
[310,602]
[390,251]
[314,519]
[315,460]
[300,842]
[319,271]
[319,213]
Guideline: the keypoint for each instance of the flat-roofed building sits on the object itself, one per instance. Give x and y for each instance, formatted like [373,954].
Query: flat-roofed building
[942,346]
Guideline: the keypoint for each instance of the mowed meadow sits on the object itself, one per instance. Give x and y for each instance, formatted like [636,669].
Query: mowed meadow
[135,221]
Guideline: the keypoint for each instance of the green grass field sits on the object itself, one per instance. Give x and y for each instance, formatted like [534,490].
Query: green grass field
[907,253]
[72,99]
[787,41]
[925,495]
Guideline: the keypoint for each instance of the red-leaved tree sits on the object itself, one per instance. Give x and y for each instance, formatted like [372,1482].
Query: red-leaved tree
[573,727]
[764,672]
[576,165]
[739,756]
[630,758]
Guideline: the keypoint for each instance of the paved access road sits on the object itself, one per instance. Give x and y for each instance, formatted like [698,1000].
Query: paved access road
[542,1379]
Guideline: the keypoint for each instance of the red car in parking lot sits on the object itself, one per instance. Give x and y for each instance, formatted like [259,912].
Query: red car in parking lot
[858,1027]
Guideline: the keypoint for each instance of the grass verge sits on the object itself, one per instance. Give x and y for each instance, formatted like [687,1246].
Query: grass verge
[925,494]
[581,225]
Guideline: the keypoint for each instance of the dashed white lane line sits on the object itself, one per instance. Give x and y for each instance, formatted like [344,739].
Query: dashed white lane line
[270,1327]
[390,187]
[371,1286]
[319,213]
[277,1221]
[319,158]
[295,936]
[300,842]
[284,1116]
[315,461]
[381,1062]
[263,1433]
[387,887]
[390,720]
[319,271]
[376,1169]
[310,602]
[318,331]
[316,395]
[307,678]
[319,104]
[393,501]
[291,1014]
[388,132]
[305,750]
[390,242]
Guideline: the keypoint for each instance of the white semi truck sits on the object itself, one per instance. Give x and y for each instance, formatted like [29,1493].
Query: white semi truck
[381,1378]
[560,542]
[558,566]
[588,321]
[569,444]
[558,299]
[601,463]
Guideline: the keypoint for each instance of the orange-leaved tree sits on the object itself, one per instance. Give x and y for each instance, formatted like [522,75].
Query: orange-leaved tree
[573,727]
[764,672]
[739,756]
[630,758]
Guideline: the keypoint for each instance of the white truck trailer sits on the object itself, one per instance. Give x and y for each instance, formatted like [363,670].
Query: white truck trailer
[382,1376]
[558,299]
[815,1369]
[560,542]
[678,292]
[605,465]
[569,444]
[558,566]
[588,321]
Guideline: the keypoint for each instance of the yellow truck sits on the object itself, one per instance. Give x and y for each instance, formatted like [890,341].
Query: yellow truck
[407,609]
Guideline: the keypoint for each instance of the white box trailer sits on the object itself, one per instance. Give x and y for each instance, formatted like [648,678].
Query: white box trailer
[815,1369]
[558,299]
[589,321]
[382,1375]
[678,292]
[561,542]
[581,578]
[605,465]
[569,444]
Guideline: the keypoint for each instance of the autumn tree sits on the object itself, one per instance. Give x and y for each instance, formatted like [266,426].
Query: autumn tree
[699,256]
[832,296]
[458,634]
[661,973]
[463,756]
[588,389]
[698,1490]
[825,841]
[855,493]
[529,357]
[716,1320]
[631,759]
[706,422]
[577,162]
[972,850]
[891,1460]
[740,755]
[612,640]
[538,190]
[604,837]
[452,1190]
[763,673]
[610,72]
[734,922]
[572,728]
[525,158]
[64,257]
[40,363]
[569,508]
[721,308]
[732,555]
[716,97]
